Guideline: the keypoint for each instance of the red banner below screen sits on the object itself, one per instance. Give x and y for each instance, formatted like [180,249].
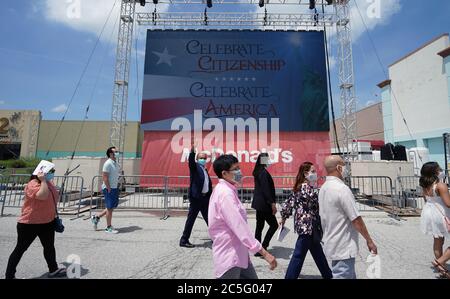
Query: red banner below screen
[294,148]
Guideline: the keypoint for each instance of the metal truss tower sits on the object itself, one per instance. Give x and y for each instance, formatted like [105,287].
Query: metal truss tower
[229,20]
[122,75]
[346,79]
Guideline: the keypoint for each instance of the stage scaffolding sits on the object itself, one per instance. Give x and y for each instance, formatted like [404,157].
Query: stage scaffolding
[176,16]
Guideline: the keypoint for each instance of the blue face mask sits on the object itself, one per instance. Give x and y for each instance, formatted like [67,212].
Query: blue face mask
[49,176]
[237,175]
[201,162]
[117,154]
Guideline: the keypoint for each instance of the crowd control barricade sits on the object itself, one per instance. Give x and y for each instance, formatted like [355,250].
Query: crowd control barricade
[410,195]
[69,199]
[170,193]
[12,191]
[136,192]
[72,198]
[374,193]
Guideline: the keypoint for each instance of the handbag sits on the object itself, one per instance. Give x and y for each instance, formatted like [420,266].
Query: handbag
[317,232]
[58,224]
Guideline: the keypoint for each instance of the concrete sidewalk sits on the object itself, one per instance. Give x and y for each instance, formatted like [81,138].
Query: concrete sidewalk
[147,247]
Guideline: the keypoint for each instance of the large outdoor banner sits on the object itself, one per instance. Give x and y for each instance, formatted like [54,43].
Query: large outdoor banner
[238,92]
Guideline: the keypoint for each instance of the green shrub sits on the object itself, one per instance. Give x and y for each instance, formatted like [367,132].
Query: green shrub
[18,164]
[32,163]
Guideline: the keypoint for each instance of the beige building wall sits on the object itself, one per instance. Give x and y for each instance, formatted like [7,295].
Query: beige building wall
[93,142]
[20,127]
[420,84]
[369,125]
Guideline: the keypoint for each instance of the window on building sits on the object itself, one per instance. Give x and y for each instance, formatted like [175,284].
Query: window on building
[9,151]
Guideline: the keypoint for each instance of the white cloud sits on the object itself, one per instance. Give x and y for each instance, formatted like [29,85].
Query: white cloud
[60,109]
[89,15]
[93,13]
[82,15]
[372,19]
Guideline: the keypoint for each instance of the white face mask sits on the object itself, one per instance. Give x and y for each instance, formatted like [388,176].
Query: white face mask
[266,161]
[441,175]
[311,177]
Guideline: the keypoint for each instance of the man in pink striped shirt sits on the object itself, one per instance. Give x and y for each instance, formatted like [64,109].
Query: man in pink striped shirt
[232,238]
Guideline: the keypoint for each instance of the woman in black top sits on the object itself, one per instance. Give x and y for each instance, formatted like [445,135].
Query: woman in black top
[264,200]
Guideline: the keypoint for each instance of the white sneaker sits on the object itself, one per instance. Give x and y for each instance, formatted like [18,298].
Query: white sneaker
[111,230]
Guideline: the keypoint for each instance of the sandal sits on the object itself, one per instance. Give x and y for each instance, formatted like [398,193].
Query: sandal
[442,270]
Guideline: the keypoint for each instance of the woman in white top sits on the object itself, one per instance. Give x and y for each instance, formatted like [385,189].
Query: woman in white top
[437,207]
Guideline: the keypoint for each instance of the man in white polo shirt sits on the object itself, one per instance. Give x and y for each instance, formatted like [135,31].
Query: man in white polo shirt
[341,221]
[110,175]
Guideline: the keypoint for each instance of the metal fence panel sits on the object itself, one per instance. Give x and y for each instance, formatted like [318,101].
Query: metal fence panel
[171,193]
[69,202]
[71,193]
[12,191]
[135,192]
[410,192]
[177,192]
[373,193]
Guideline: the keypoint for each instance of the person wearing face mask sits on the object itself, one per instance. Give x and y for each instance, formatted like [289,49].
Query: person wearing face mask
[37,219]
[341,221]
[264,201]
[232,238]
[110,176]
[435,212]
[200,189]
[304,201]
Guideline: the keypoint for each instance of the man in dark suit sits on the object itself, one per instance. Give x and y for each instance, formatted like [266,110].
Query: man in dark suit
[200,190]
